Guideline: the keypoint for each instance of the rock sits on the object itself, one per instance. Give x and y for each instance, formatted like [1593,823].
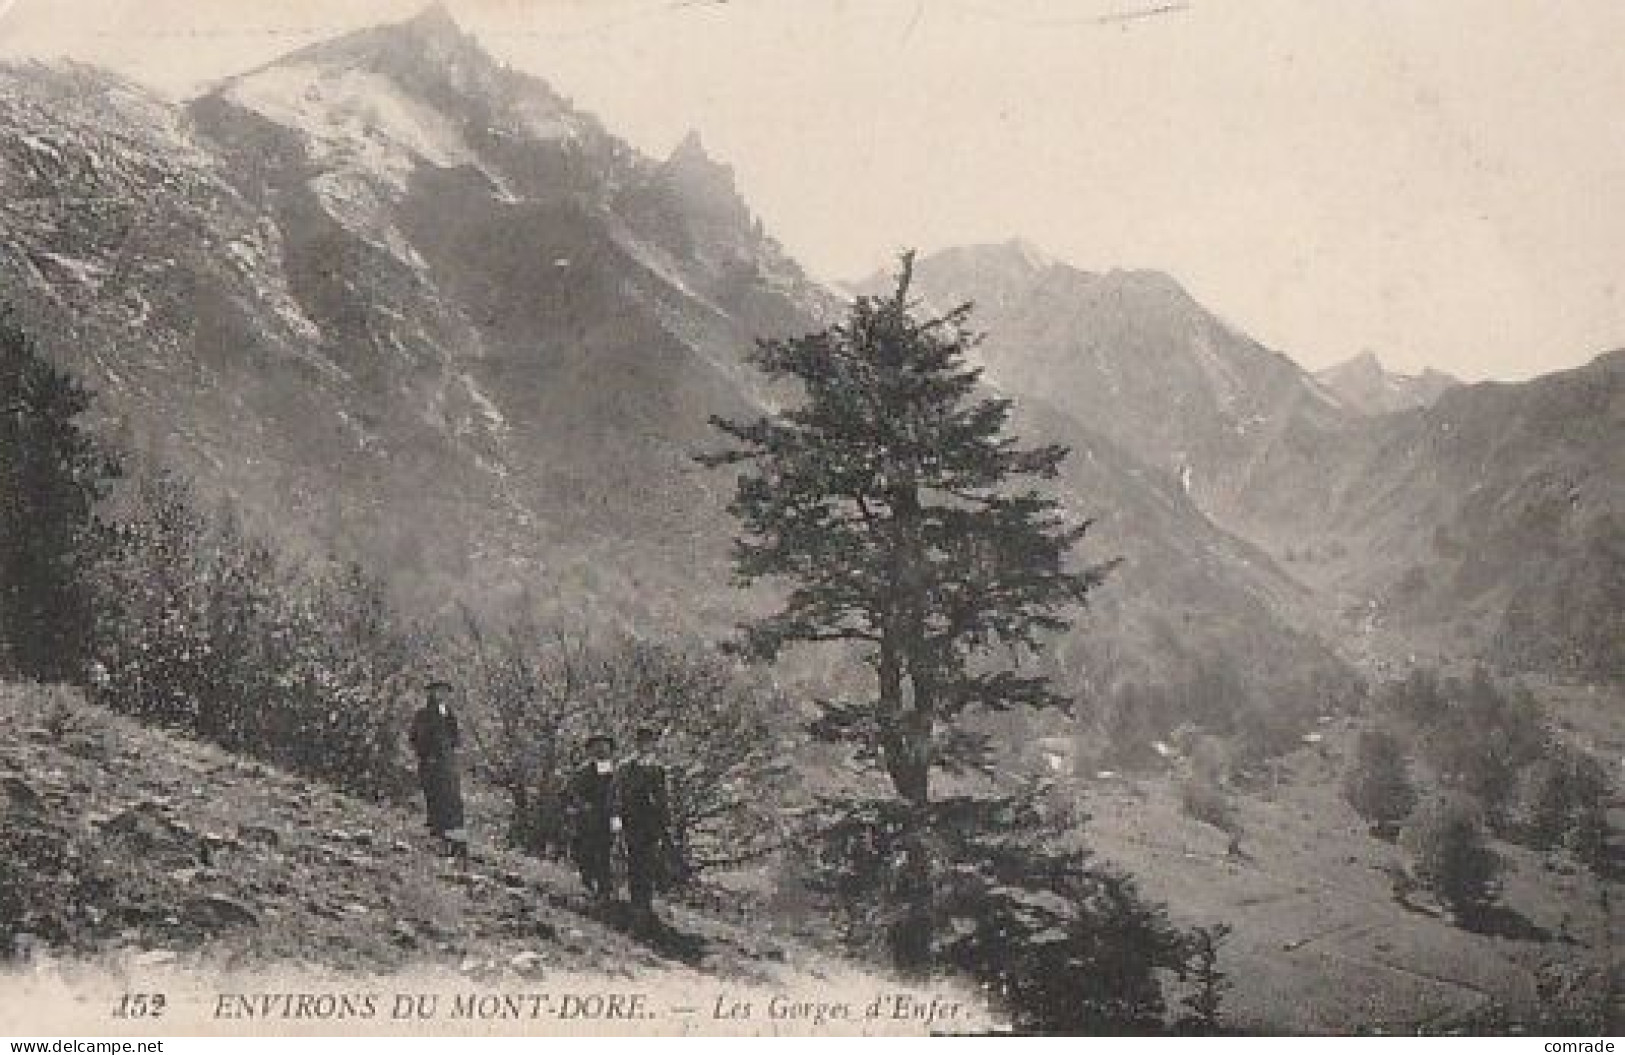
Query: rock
[312,854]
[84,745]
[144,829]
[513,879]
[404,933]
[214,912]
[215,841]
[20,797]
[359,837]
[259,834]
[355,908]
[318,908]
[153,957]
[527,962]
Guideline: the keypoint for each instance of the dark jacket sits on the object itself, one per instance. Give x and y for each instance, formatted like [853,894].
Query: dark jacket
[592,802]
[434,734]
[434,739]
[645,809]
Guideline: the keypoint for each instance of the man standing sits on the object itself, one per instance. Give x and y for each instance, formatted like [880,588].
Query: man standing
[645,808]
[435,738]
[595,818]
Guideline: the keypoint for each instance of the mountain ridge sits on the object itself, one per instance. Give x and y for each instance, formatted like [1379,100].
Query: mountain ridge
[508,339]
[1364,385]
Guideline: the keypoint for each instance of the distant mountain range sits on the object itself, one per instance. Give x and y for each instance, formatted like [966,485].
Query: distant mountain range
[1362,385]
[400,300]
[1467,521]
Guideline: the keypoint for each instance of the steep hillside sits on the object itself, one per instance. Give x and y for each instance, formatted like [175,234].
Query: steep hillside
[132,854]
[1187,596]
[1131,356]
[403,302]
[1483,522]
[1494,521]
[399,299]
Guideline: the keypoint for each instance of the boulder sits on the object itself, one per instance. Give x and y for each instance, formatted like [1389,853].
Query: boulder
[146,830]
[214,912]
[20,798]
[259,835]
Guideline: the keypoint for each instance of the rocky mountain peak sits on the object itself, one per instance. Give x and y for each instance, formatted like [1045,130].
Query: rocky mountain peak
[434,21]
[703,181]
[690,161]
[691,151]
[1364,385]
[429,48]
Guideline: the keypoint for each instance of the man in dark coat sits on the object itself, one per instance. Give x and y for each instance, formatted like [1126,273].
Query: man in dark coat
[646,814]
[435,738]
[595,817]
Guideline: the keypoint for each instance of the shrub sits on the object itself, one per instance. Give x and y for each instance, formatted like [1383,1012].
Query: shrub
[1207,801]
[1451,857]
[535,695]
[206,629]
[1378,783]
[1561,801]
[1476,735]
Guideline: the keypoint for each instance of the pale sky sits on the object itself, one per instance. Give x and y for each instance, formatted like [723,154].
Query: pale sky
[1439,181]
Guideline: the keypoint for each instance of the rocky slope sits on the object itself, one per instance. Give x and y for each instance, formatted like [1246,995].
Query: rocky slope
[395,297]
[129,845]
[400,301]
[1130,355]
[1490,523]
[1481,523]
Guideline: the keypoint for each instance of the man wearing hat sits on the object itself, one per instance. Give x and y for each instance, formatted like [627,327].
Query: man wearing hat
[435,739]
[595,817]
[643,802]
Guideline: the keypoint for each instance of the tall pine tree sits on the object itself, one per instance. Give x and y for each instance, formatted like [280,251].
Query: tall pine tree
[52,473]
[902,516]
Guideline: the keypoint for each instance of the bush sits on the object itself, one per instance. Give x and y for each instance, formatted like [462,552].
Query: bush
[1562,801]
[1474,734]
[53,471]
[1204,794]
[206,629]
[1378,784]
[1451,857]
[534,696]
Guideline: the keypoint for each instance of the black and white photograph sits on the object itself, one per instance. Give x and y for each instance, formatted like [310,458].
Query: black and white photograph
[568,518]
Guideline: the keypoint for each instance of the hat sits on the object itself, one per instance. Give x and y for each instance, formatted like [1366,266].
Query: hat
[438,683]
[600,738]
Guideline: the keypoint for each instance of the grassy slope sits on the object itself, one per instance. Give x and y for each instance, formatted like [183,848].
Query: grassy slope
[1320,944]
[346,884]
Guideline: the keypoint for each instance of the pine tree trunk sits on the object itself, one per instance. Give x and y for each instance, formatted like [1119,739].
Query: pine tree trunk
[906,737]
[906,721]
